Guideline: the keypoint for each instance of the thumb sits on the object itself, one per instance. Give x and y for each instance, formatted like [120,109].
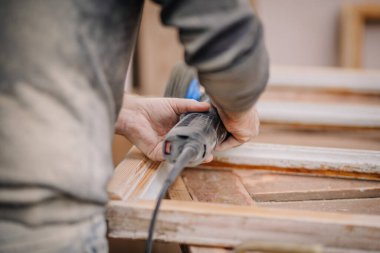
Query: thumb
[182,105]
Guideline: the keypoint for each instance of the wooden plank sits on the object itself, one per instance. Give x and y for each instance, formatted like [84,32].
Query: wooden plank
[128,174]
[369,206]
[360,164]
[319,115]
[216,186]
[199,249]
[267,186]
[137,178]
[228,225]
[337,80]
[353,20]
[178,191]
[285,94]
[351,37]
[363,164]
[333,138]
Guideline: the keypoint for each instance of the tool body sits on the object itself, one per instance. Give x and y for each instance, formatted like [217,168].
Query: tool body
[203,130]
[192,139]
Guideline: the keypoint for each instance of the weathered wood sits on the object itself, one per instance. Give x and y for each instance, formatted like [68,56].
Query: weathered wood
[360,164]
[128,174]
[228,225]
[199,249]
[358,206]
[178,191]
[319,115]
[333,138]
[337,80]
[137,178]
[267,186]
[216,186]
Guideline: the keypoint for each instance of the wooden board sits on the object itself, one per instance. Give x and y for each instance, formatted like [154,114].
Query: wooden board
[334,138]
[363,164]
[229,225]
[353,20]
[267,186]
[319,115]
[333,80]
[199,249]
[178,191]
[216,186]
[359,206]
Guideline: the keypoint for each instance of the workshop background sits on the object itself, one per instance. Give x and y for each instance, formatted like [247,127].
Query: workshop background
[307,39]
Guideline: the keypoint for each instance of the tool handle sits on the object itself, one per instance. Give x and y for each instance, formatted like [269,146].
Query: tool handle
[204,130]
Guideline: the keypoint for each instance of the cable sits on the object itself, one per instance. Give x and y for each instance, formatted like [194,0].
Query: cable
[187,154]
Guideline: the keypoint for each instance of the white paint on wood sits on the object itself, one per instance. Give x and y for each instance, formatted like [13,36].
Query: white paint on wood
[334,115]
[309,158]
[130,173]
[325,78]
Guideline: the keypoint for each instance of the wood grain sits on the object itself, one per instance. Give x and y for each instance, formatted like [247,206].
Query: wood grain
[353,20]
[266,186]
[319,115]
[333,138]
[178,191]
[359,206]
[228,225]
[359,164]
[199,249]
[216,186]
[325,79]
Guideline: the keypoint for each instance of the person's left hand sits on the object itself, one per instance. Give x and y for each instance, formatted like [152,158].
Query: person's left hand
[146,121]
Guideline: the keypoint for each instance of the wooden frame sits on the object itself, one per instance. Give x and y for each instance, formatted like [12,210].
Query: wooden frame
[353,20]
[211,224]
[328,79]
[326,115]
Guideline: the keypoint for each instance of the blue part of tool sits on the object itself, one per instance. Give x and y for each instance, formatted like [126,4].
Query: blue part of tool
[194,90]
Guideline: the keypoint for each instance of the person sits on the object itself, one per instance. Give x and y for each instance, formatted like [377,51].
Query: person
[62,68]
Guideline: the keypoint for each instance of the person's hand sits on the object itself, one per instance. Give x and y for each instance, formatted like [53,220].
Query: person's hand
[146,121]
[243,127]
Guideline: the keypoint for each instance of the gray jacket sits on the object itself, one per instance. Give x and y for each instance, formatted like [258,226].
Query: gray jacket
[62,70]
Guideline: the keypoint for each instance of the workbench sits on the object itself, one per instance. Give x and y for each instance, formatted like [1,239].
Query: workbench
[315,180]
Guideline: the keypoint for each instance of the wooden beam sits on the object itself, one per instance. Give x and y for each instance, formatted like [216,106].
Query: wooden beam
[320,115]
[178,191]
[330,79]
[369,206]
[199,249]
[227,225]
[353,20]
[138,178]
[333,138]
[131,172]
[216,186]
[269,186]
[345,163]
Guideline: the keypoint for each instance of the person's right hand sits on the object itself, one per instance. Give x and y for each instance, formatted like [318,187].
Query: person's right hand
[243,127]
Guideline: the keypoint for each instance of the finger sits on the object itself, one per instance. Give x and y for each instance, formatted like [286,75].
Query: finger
[208,159]
[181,105]
[231,142]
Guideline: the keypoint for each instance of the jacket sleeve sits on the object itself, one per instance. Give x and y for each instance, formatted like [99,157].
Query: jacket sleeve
[223,40]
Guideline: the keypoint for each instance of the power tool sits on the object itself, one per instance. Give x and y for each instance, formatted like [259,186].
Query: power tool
[192,139]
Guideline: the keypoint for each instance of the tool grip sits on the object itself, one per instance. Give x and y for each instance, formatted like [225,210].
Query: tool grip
[203,130]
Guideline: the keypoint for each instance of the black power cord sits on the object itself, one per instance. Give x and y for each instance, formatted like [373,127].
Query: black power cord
[187,154]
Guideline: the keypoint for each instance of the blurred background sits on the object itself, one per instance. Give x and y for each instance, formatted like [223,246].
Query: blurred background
[324,88]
